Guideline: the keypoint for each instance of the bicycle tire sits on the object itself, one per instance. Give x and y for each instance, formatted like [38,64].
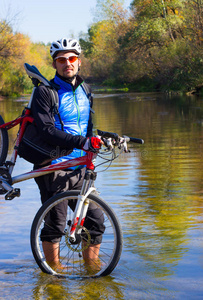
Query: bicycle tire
[3,142]
[70,255]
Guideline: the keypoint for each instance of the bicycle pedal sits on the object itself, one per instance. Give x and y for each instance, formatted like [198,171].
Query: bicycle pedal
[12,194]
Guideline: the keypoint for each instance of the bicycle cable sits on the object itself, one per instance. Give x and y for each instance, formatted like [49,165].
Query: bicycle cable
[110,160]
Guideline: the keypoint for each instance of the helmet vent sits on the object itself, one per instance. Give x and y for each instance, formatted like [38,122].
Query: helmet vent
[65,43]
[56,46]
[73,45]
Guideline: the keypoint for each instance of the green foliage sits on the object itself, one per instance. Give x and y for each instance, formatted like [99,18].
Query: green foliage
[157,46]
[15,50]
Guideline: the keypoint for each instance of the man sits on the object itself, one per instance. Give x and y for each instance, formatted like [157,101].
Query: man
[74,110]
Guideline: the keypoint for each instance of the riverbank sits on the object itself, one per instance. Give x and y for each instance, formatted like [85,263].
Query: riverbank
[126,89]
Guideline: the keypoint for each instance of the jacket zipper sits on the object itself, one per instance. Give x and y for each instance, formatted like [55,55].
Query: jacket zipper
[78,119]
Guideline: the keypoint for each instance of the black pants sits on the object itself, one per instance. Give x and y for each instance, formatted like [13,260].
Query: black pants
[61,181]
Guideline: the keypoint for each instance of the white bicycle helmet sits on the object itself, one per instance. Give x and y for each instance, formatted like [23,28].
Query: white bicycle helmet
[65,45]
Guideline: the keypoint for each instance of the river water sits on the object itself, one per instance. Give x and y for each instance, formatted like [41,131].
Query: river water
[156,190]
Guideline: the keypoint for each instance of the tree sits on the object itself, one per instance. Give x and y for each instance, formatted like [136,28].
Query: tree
[194,21]
[102,46]
[15,50]
[158,42]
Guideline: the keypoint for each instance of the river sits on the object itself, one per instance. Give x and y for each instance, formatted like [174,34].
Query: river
[156,190]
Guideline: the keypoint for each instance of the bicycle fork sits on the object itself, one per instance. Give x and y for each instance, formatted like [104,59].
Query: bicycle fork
[82,205]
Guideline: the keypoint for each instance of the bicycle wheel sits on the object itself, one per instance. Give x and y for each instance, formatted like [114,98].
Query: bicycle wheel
[3,142]
[71,255]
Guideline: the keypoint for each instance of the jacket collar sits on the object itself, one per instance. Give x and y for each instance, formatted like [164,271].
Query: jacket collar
[78,81]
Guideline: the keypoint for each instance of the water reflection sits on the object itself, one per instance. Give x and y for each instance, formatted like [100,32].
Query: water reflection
[156,191]
[158,208]
[47,287]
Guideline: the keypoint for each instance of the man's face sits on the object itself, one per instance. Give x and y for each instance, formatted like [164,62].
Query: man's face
[64,67]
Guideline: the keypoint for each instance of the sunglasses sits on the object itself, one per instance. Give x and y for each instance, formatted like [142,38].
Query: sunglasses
[62,59]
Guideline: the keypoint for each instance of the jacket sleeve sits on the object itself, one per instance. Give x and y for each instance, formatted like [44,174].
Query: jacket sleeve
[42,111]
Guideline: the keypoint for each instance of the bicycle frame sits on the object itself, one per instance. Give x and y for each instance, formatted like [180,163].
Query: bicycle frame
[84,160]
[82,204]
[24,119]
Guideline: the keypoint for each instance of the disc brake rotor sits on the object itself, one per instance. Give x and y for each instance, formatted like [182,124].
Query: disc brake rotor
[75,247]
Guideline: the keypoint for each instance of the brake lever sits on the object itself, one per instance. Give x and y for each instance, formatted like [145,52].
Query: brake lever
[123,141]
[111,142]
[108,143]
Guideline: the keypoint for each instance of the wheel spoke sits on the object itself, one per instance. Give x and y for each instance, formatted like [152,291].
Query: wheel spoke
[74,259]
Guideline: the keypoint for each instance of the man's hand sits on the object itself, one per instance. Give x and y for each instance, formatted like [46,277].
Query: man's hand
[93,144]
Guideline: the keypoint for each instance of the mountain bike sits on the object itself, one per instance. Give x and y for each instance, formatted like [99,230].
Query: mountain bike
[76,237]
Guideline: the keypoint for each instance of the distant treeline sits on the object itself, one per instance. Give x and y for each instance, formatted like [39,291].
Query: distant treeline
[153,46]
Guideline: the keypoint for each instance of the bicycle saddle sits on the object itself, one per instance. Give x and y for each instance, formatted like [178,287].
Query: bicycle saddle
[33,72]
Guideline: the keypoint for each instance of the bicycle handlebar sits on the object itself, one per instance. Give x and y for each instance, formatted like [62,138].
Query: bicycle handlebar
[106,134]
[133,140]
